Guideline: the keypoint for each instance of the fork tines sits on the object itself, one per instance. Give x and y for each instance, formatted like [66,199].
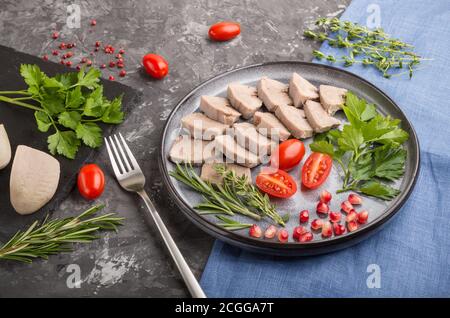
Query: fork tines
[121,157]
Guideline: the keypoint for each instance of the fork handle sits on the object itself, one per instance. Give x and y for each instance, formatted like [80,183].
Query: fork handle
[189,278]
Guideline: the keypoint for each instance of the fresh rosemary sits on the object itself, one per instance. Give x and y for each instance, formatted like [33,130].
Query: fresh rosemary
[51,237]
[235,195]
[230,224]
[374,47]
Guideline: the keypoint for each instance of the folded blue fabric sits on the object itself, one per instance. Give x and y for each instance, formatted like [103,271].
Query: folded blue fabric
[412,253]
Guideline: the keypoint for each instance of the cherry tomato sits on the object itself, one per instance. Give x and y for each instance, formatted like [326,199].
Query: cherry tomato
[288,154]
[155,66]
[278,183]
[224,31]
[91,181]
[316,170]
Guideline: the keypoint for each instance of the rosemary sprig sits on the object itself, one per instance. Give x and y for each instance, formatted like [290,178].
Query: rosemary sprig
[51,237]
[235,195]
[250,194]
[374,47]
[230,224]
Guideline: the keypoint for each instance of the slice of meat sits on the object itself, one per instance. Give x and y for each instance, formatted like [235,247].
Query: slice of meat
[202,127]
[269,126]
[194,151]
[318,118]
[244,98]
[218,108]
[210,174]
[248,137]
[294,120]
[301,90]
[332,98]
[237,154]
[273,93]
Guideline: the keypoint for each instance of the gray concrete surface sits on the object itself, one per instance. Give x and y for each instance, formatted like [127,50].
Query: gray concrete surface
[134,263]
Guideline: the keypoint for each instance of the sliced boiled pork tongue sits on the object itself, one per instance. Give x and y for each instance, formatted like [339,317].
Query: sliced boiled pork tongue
[247,136]
[268,125]
[202,127]
[301,90]
[294,120]
[235,153]
[318,118]
[219,108]
[273,93]
[244,99]
[332,98]
[194,151]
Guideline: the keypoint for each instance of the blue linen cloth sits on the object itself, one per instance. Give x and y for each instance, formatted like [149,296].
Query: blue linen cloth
[413,251]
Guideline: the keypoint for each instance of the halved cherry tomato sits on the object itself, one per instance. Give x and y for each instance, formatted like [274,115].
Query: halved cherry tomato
[278,184]
[224,31]
[316,170]
[288,154]
[155,66]
[91,181]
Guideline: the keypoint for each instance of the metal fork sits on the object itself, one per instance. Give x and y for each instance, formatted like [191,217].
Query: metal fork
[131,178]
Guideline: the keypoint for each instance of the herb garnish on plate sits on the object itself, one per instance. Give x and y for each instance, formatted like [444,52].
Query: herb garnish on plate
[368,149]
[71,104]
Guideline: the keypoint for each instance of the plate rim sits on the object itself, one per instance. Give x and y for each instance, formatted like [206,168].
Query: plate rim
[273,246]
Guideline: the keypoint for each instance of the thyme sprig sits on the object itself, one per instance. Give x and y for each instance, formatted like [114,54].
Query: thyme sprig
[51,237]
[373,47]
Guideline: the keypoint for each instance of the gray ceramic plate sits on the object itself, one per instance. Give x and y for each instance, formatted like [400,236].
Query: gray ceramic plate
[379,211]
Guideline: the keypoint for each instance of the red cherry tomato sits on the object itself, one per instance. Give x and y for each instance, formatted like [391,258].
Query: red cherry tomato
[91,181]
[224,31]
[316,170]
[155,66]
[288,154]
[278,184]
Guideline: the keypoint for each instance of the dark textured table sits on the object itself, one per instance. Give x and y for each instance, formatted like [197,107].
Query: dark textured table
[134,262]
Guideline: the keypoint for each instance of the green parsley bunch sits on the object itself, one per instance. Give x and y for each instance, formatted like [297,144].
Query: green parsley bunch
[368,149]
[71,104]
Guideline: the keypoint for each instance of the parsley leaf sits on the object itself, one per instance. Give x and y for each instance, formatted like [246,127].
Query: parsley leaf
[90,133]
[42,120]
[113,113]
[323,146]
[89,79]
[32,75]
[64,143]
[379,190]
[351,139]
[389,163]
[69,119]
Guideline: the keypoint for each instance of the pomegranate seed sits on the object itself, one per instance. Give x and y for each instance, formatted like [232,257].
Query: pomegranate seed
[352,216]
[89,63]
[352,226]
[55,52]
[304,216]
[122,51]
[322,208]
[83,60]
[62,46]
[93,22]
[120,65]
[69,63]
[45,57]
[325,196]
[338,229]
[122,73]
[346,206]
[69,54]
[255,231]
[327,229]
[55,35]
[298,232]
[120,60]
[335,217]
[316,224]
[74,45]
[118,56]
[62,62]
[111,78]
[78,67]
[354,199]
[283,235]
[64,56]
[98,43]
[103,66]
[270,232]
[363,216]
[112,64]
[306,237]
[69,45]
